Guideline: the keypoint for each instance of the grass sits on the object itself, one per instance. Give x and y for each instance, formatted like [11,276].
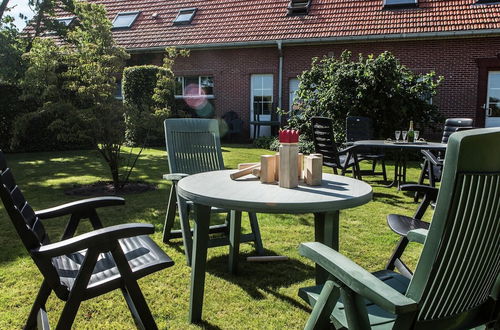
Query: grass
[263,296]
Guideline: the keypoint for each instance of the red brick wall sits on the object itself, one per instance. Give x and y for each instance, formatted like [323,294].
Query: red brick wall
[231,68]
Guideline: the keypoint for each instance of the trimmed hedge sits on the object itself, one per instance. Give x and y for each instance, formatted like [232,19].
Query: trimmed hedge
[138,87]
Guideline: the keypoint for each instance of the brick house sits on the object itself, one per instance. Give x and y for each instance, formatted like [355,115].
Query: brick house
[247,54]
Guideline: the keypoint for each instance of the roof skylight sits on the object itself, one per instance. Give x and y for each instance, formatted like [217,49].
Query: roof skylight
[391,4]
[185,16]
[299,7]
[125,20]
[65,20]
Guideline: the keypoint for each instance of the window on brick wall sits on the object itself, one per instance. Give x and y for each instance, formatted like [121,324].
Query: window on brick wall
[396,4]
[194,86]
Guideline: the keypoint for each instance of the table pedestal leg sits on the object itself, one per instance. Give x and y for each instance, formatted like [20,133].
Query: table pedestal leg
[326,231]
[199,261]
[399,170]
[234,241]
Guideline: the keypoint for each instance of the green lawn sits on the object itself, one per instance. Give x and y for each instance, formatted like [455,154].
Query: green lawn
[263,296]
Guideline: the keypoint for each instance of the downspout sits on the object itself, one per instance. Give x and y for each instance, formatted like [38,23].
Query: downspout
[280,74]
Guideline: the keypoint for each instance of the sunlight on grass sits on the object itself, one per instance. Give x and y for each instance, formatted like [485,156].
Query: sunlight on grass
[263,296]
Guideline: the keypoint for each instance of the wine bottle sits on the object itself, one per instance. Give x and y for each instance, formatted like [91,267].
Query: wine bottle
[411,133]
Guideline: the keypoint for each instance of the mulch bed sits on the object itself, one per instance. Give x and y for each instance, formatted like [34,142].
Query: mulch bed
[106,188]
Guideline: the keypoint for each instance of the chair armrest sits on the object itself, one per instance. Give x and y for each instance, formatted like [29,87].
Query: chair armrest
[357,278]
[432,158]
[79,206]
[417,235]
[431,192]
[104,237]
[174,176]
[348,149]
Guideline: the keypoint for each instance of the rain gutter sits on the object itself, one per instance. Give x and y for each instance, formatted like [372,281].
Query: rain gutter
[367,38]
[280,74]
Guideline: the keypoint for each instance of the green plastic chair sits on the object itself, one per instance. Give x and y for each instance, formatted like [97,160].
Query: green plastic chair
[456,284]
[193,146]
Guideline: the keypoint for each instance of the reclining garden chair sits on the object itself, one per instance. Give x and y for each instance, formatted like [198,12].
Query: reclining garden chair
[433,163]
[456,284]
[193,146]
[84,266]
[324,143]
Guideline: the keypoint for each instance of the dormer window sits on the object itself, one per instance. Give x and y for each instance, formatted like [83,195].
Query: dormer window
[398,4]
[185,16]
[65,20]
[299,7]
[125,20]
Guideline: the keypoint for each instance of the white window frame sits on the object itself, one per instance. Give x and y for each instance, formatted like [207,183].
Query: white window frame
[200,88]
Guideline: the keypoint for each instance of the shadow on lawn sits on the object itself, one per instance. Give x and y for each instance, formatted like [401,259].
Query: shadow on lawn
[269,277]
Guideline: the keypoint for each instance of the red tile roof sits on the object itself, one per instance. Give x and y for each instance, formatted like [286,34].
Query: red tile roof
[247,21]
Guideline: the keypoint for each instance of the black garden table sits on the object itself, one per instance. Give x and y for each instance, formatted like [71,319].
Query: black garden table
[402,149]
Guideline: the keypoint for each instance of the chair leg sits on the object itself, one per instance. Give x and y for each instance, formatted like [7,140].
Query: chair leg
[170,216]
[132,292]
[396,254]
[254,224]
[320,315]
[39,303]
[384,172]
[77,291]
[187,239]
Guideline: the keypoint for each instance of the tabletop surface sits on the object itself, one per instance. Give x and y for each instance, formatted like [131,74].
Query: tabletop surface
[386,144]
[248,194]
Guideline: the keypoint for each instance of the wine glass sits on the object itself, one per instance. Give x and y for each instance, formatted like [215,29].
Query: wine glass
[404,135]
[397,134]
[416,134]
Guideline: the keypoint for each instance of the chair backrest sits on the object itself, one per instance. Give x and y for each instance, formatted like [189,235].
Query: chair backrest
[460,261]
[452,125]
[28,226]
[324,140]
[193,145]
[359,128]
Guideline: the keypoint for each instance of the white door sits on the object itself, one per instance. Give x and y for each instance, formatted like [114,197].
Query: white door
[261,101]
[493,100]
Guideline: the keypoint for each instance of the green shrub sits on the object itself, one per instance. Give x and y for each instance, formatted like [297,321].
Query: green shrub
[9,109]
[138,87]
[264,142]
[272,143]
[40,130]
[377,87]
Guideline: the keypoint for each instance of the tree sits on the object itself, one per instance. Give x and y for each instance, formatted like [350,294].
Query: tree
[377,87]
[77,80]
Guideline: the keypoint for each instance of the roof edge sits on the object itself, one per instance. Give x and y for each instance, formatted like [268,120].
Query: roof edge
[385,37]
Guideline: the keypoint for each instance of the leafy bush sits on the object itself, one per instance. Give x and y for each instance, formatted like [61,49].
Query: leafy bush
[138,86]
[272,143]
[377,87]
[264,142]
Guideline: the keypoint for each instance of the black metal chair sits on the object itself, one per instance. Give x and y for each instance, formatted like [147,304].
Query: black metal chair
[433,163]
[361,128]
[85,266]
[324,143]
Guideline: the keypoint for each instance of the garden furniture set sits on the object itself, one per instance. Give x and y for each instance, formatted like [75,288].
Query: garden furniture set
[456,283]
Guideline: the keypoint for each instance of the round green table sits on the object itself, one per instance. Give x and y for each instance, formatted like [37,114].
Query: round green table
[248,194]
